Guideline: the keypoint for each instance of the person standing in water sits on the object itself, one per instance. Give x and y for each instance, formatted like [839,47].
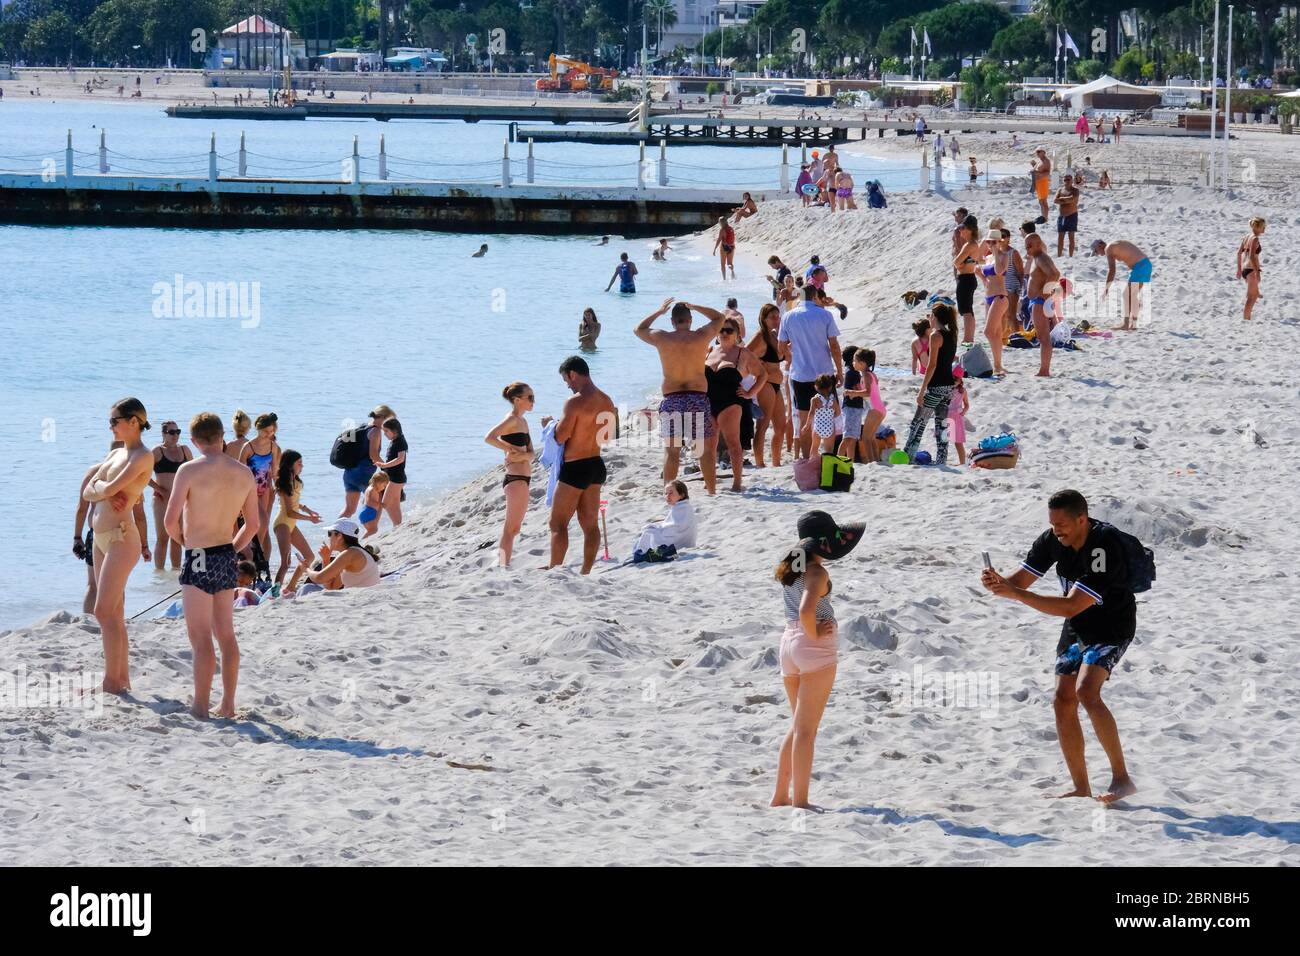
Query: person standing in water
[625,272]
[588,330]
[1100,622]
[114,489]
[589,422]
[262,456]
[210,495]
[167,458]
[1248,264]
[724,247]
[512,438]
[241,424]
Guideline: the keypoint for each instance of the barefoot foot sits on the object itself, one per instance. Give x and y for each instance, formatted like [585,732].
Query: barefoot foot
[1076,792]
[1118,790]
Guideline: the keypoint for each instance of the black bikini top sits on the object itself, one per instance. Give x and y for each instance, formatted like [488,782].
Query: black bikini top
[520,439]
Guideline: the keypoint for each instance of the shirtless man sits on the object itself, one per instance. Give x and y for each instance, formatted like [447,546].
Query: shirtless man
[1139,274]
[209,495]
[660,253]
[684,413]
[589,421]
[1041,171]
[1043,277]
[733,312]
[1067,223]
[118,483]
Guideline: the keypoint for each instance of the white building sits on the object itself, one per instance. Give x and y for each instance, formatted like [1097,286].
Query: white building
[695,18]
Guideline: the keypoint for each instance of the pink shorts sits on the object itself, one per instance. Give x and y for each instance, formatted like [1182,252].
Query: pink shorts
[801,654]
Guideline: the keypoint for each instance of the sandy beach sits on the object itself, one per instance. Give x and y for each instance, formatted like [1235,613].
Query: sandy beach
[462,713]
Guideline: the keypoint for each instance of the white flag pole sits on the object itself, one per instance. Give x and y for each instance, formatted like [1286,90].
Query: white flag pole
[1227,101]
[1214,92]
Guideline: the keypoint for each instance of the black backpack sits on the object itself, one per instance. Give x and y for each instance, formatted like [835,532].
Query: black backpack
[350,448]
[1138,559]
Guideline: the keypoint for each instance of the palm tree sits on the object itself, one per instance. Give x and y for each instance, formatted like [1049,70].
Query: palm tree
[665,11]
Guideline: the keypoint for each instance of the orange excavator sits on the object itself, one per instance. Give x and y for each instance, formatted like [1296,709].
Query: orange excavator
[574,76]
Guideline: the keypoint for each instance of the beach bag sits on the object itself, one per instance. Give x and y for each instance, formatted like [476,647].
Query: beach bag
[350,448]
[1139,559]
[976,362]
[836,473]
[807,474]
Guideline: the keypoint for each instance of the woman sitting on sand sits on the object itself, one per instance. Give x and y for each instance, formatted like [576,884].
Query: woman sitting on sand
[1248,264]
[288,487]
[808,650]
[511,437]
[735,377]
[344,561]
[167,459]
[765,346]
[262,456]
[114,489]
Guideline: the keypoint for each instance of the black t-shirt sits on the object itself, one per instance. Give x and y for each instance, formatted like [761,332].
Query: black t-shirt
[1098,569]
[852,380]
[395,447]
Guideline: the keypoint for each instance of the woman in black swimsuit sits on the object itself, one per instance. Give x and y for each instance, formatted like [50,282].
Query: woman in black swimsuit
[727,367]
[167,460]
[967,260]
[511,437]
[770,400]
[1248,264]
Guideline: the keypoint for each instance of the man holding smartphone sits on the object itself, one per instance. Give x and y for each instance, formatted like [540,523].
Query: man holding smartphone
[1100,621]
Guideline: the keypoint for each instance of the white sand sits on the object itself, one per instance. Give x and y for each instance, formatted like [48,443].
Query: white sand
[634,716]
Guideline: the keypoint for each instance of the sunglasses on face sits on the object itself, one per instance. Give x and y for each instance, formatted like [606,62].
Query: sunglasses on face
[726,331]
[171,431]
[119,418]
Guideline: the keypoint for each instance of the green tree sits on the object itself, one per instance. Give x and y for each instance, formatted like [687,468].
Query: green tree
[49,38]
[962,28]
[1026,38]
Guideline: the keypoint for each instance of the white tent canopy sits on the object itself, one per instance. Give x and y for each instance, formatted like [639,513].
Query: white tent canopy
[1294,94]
[1103,84]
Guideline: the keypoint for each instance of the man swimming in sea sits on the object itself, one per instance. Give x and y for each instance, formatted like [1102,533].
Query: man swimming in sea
[589,422]
[482,251]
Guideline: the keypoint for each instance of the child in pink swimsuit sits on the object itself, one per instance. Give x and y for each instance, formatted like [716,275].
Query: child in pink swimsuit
[957,409]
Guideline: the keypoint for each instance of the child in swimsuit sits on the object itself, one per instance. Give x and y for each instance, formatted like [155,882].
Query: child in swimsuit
[957,415]
[823,411]
[369,515]
[921,347]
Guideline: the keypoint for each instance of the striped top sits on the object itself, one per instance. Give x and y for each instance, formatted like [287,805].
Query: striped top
[793,594]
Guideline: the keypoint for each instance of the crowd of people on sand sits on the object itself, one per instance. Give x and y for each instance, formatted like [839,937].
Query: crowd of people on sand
[213,510]
[824,182]
[786,388]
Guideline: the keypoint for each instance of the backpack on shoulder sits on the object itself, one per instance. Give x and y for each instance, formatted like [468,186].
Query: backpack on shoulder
[1139,560]
[350,448]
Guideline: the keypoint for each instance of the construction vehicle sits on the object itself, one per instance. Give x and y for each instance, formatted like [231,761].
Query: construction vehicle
[574,76]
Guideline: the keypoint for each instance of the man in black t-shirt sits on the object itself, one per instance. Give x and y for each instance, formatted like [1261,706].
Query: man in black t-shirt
[781,272]
[1100,621]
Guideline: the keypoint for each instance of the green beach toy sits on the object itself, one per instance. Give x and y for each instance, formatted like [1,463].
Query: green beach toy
[898,457]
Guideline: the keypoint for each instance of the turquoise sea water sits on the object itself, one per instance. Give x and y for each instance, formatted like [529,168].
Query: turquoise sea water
[344,320]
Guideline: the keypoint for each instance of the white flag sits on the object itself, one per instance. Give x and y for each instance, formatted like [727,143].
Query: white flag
[913,36]
[1058,43]
[1069,45]
[926,33]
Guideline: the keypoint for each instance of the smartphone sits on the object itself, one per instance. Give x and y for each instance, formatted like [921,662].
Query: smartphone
[987,562]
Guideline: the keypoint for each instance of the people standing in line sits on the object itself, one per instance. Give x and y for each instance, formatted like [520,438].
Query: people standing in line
[511,437]
[167,459]
[685,414]
[812,336]
[114,488]
[1043,279]
[588,423]
[1249,266]
[935,393]
[210,496]
[809,646]
[625,272]
[1100,621]
[724,247]
[770,400]
[288,489]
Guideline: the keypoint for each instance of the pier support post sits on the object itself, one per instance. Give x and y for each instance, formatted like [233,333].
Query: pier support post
[530,161]
[243,156]
[69,166]
[212,159]
[356,162]
[803,153]
[925,171]
[103,151]
[505,164]
[383,158]
[640,166]
[663,162]
[785,168]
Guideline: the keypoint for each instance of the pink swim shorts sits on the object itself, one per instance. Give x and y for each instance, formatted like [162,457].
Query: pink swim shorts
[801,654]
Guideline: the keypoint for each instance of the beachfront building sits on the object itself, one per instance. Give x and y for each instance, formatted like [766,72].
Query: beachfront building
[344,60]
[258,43]
[695,18]
[1109,95]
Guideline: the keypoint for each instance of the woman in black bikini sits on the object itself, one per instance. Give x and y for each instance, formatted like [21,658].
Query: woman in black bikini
[967,260]
[167,460]
[770,399]
[512,438]
[727,368]
[1248,264]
